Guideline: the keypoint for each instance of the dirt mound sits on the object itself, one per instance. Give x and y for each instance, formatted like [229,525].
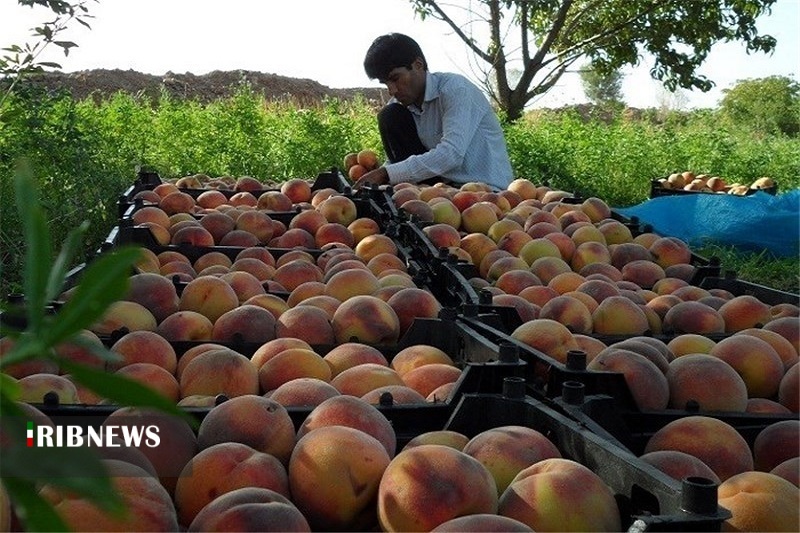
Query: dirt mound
[101,83]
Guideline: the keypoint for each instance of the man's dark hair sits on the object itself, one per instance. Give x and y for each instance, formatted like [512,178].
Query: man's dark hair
[389,52]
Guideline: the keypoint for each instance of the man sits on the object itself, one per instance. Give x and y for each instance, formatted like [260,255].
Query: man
[437,126]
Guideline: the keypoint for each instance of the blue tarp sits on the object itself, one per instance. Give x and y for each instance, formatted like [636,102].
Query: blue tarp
[756,222]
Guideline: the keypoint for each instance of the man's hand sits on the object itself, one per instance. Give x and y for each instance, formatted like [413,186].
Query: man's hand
[379,176]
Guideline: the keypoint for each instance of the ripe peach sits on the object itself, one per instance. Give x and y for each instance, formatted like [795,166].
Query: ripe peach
[208,295]
[744,311]
[231,421]
[707,380]
[154,292]
[547,268]
[246,323]
[394,394]
[308,323]
[481,523]
[148,505]
[350,354]
[272,348]
[647,384]
[185,326]
[679,465]
[291,364]
[450,438]
[755,360]
[477,245]
[303,392]
[361,227]
[417,355]
[222,468]
[789,470]
[272,303]
[693,317]
[250,508]
[408,488]
[789,389]
[375,244]
[222,371]
[782,347]
[787,327]
[574,496]
[33,388]
[334,475]
[711,440]
[367,319]
[763,405]
[617,315]
[669,251]
[411,303]
[347,283]
[507,450]
[365,377]
[759,501]
[353,412]
[587,253]
[524,309]
[642,272]
[291,274]
[570,312]
[426,378]
[547,336]
[775,444]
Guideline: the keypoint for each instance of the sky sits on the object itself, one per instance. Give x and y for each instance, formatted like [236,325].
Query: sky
[325,40]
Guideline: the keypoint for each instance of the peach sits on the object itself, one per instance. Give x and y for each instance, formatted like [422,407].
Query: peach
[210,259]
[152,214]
[481,522]
[290,364]
[755,360]
[615,232]
[367,319]
[154,292]
[566,246]
[559,494]
[353,412]
[247,509]
[177,202]
[293,273]
[33,388]
[647,384]
[409,485]
[547,336]
[603,271]
[246,323]
[617,315]
[210,296]
[566,282]
[148,505]
[587,253]
[211,199]
[296,238]
[710,382]
[547,268]
[688,343]
[782,347]
[787,327]
[308,323]
[298,190]
[744,311]
[789,470]
[257,268]
[507,450]
[347,283]
[442,235]
[669,251]
[446,212]
[570,312]
[361,227]
[185,326]
[334,475]
[417,210]
[524,309]
[375,244]
[231,421]
[153,377]
[589,345]
[218,225]
[679,465]
[478,217]
[244,198]
[222,468]
[219,372]
[514,240]
[426,378]
[643,273]
[272,303]
[711,440]
[270,349]
[784,309]
[302,392]
[763,405]
[394,395]
[365,377]
[775,444]
[417,355]
[514,281]
[663,303]
[444,437]
[759,501]
[789,389]
[144,347]
[350,354]
[275,201]
[83,349]
[693,317]
[477,245]
[524,187]
[305,290]
[411,303]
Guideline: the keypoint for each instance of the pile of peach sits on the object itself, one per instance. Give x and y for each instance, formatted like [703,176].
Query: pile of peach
[213,219]
[342,470]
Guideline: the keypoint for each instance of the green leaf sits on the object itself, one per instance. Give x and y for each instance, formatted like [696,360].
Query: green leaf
[37,238]
[68,250]
[35,512]
[123,390]
[104,282]
[9,386]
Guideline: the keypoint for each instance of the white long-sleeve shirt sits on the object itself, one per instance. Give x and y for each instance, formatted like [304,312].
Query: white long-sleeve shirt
[462,134]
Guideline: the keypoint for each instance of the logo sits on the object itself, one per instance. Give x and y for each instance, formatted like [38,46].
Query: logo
[107,436]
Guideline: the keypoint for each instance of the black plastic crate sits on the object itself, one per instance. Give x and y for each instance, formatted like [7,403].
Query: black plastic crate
[648,499]
[739,287]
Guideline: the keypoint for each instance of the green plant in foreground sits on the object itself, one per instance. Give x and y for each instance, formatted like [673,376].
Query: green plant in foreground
[105,280]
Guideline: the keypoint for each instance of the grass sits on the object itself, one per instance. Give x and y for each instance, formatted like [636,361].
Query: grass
[85,154]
